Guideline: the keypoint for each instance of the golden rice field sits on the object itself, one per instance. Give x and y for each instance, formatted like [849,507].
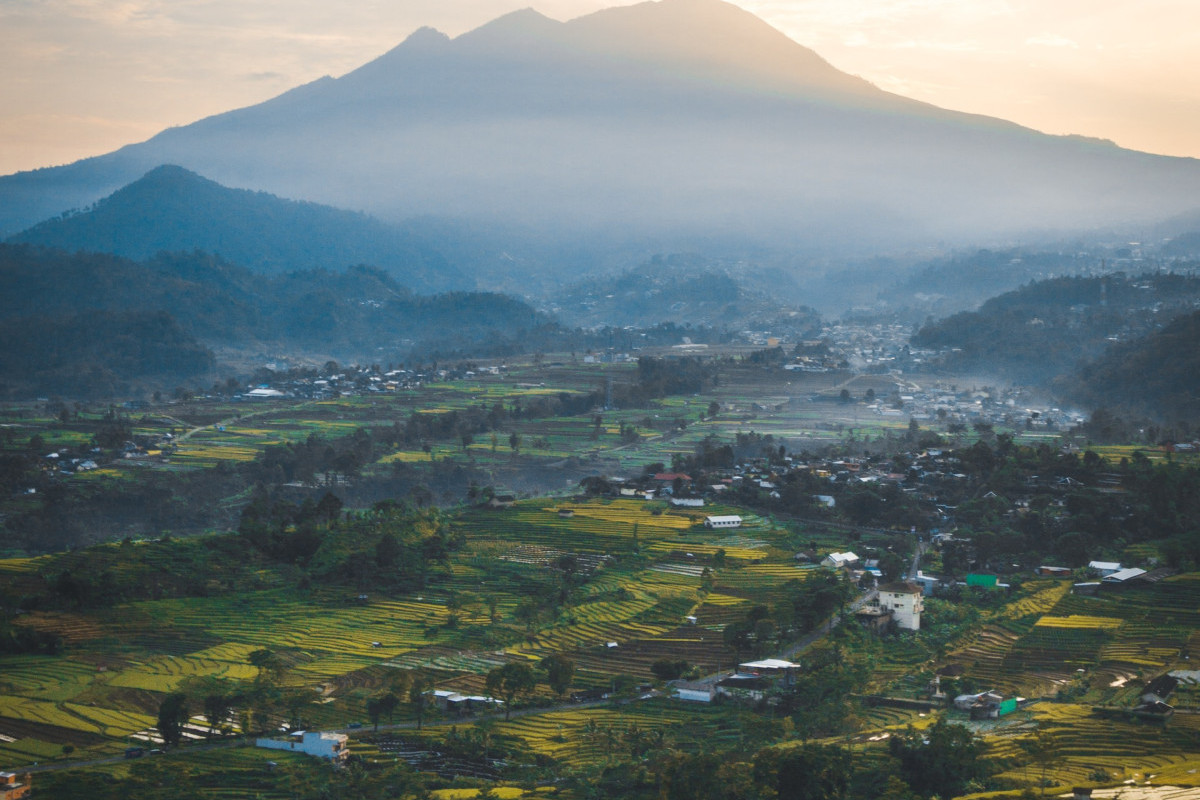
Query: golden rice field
[165,674]
[86,718]
[407,457]
[1080,622]
[717,599]
[1045,595]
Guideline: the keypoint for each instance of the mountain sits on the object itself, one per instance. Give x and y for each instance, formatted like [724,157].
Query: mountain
[172,209]
[664,126]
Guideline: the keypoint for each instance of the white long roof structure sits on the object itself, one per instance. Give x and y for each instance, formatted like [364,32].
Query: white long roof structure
[769,663]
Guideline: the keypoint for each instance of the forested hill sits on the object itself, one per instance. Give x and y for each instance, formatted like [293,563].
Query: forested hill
[197,299]
[964,281]
[98,354]
[1045,329]
[172,209]
[1158,375]
[688,289]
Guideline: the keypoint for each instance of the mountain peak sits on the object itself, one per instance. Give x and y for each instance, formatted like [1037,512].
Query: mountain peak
[425,37]
[515,28]
[716,37]
[169,174]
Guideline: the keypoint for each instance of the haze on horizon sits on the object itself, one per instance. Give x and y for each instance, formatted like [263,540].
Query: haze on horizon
[84,77]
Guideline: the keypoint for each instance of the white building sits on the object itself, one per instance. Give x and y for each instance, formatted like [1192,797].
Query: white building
[695,692]
[839,560]
[1104,568]
[732,521]
[906,602]
[313,743]
[1122,575]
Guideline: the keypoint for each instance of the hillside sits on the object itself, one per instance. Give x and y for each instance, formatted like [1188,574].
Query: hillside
[170,209]
[688,291]
[98,354]
[681,125]
[1045,329]
[1157,375]
[357,314]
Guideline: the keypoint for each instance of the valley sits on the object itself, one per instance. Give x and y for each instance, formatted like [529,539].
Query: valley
[530,522]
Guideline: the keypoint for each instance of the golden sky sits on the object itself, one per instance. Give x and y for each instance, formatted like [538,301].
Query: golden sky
[83,77]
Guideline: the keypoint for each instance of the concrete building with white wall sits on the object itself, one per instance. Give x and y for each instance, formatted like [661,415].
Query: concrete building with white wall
[906,602]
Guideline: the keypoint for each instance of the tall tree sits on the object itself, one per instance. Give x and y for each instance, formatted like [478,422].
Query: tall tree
[172,716]
[940,760]
[510,681]
[559,672]
[416,696]
[268,663]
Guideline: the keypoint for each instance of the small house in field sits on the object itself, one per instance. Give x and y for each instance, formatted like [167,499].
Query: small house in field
[314,743]
[453,702]
[776,668]
[1054,572]
[502,501]
[1104,568]
[14,786]
[717,522]
[687,502]
[839,560]
[987,705]
[694,692]
[1122,576]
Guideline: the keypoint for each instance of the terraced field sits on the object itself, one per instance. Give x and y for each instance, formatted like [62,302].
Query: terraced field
[1090,745]
[667,594]
[137,652]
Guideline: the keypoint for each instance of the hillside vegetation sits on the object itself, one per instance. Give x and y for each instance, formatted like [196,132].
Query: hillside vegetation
[1045,329]
[1158,375]
[74,315]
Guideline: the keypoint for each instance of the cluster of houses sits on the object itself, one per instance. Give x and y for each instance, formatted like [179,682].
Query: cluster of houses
[66,462]
[356,382]
[1106,575]
[987,705]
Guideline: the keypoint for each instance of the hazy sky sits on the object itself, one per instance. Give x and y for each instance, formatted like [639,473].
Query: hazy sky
[82,77]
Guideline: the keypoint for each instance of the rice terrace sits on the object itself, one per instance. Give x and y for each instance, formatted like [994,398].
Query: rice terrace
[548,630]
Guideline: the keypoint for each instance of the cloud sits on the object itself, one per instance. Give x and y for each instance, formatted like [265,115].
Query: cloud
[942,46]
[1051,40]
